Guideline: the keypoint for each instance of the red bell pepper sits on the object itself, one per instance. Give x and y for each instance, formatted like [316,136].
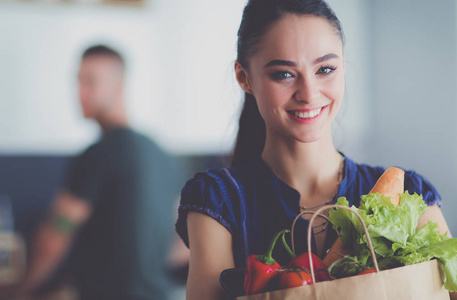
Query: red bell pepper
[302,261]
[367,271]
[261,269]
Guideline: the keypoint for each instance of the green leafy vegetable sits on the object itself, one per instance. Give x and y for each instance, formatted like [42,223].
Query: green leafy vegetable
[345,267]
[394,234]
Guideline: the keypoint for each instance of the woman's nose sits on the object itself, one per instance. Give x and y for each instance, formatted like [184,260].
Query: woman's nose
[307,90]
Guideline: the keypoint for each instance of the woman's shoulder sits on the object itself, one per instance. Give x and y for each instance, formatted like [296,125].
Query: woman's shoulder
[213,176]
[215,193]
[224,179]
[419,184]
[206,186]
[362,175]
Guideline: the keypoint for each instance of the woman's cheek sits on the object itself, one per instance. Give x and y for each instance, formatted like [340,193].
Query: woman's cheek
[335,89]
[271,96]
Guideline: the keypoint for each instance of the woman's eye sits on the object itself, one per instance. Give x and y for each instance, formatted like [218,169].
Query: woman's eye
[326,70]
[281,75]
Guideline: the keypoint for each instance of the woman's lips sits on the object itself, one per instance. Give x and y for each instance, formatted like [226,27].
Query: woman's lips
[306,116]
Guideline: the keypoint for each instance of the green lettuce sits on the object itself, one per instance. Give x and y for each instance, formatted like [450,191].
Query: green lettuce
[393,231]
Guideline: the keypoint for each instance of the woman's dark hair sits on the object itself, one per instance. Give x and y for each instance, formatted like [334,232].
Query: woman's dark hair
[258,15]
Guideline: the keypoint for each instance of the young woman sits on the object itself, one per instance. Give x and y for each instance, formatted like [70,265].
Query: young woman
[291,66]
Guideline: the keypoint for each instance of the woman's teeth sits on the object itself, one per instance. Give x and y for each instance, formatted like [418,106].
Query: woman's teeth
[307,115]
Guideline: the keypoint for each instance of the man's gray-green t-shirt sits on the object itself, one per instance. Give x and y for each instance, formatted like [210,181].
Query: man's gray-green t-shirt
[132,186]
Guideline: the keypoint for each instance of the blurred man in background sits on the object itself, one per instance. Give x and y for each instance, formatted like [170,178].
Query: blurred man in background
[116,207]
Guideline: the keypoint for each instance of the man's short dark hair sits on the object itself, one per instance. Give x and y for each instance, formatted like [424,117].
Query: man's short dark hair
[102,50]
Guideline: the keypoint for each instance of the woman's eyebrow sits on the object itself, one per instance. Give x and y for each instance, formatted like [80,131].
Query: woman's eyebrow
[288,63]
[325,58]
[278,62]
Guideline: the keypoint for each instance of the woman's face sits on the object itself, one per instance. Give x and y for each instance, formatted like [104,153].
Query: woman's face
[297,77]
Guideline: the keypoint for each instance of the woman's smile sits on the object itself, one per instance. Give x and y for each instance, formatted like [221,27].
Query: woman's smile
[306,115]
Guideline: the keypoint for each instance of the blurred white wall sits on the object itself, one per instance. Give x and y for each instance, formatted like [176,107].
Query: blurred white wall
[182,89]
[197,97]
[39,58]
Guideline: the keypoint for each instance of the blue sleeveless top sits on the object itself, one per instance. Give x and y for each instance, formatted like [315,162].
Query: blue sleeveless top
[253,204]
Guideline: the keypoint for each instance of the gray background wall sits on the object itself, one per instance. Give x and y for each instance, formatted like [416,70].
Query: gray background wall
[412,49]
[401,89]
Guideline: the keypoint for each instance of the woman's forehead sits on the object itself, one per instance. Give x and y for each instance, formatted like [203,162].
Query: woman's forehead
[300,38]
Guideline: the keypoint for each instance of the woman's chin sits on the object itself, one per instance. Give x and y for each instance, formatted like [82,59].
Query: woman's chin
[311,137]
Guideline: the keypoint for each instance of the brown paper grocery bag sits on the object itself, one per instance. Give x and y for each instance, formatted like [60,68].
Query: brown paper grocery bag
[414,282]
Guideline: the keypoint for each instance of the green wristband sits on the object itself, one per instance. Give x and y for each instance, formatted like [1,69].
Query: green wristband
[63,224]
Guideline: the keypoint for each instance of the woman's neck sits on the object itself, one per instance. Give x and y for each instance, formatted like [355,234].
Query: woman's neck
[307,167]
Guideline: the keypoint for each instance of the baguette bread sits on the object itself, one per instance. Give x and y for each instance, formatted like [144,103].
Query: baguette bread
[390,184]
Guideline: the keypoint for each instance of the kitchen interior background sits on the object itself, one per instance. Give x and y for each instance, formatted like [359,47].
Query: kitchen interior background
[399,109]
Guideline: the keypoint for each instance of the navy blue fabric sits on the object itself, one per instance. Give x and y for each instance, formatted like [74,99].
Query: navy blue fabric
[253,204]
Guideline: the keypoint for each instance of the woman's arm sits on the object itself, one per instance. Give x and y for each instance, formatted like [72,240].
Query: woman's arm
[210,253]
[433,213]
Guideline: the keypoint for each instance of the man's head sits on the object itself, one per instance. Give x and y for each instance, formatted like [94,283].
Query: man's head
[101,82]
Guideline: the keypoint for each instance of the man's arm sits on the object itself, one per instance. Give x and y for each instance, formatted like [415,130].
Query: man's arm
[52,240]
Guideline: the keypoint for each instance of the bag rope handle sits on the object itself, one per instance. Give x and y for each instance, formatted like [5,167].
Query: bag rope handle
[317,214]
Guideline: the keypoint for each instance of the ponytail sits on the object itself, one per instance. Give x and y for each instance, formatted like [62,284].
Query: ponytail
[251,133]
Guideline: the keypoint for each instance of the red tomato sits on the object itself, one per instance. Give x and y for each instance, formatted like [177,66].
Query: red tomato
[294,278]
[320,269]
[367,271]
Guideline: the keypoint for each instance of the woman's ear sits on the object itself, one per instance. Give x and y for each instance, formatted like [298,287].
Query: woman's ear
[242,78]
